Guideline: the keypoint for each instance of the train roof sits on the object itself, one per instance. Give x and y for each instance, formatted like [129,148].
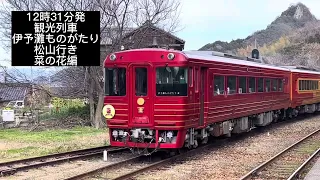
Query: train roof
[212,56]
[208,55]
[302,69]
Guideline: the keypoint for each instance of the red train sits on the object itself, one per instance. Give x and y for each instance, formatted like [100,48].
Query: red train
[167,99]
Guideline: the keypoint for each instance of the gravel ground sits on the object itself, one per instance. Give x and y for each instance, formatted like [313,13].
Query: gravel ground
[68,169]
[233,161]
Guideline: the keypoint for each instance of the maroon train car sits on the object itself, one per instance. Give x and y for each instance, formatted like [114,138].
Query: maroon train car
[166,99]
[305,91]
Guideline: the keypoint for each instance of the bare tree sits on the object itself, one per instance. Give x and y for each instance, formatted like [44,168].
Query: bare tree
[116,17]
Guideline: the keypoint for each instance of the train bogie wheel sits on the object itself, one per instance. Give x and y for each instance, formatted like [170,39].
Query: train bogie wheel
[205,140]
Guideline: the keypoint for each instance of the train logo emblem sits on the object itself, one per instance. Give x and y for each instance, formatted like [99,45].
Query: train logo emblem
[108,111]
[140,109]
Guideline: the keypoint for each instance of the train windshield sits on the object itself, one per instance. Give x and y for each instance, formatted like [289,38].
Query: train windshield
[172,81]
[115,81]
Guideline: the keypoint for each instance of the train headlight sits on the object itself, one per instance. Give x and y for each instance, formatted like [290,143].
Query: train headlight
[120,132]
[115,133]
[169,134]
[170,56]
[113,57]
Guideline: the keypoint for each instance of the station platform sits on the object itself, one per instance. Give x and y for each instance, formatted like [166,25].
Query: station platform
[314,173]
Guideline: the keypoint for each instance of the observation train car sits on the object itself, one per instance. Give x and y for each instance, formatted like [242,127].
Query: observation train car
[305,91]
[167,99]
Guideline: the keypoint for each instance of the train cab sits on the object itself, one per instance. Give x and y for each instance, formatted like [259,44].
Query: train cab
[146,100]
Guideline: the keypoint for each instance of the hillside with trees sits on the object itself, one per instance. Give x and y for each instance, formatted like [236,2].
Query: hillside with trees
[293,38]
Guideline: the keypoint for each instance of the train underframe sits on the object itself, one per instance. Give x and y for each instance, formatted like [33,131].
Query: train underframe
[147,141]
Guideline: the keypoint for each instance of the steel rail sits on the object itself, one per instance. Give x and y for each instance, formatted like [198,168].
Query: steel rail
[156,164]
[141,170]
[7,168]
[299,170]
[110,166]
[254,171]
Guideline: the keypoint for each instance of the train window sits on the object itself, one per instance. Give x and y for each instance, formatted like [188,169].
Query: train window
[300,85]
[274,85]
[314,85]
[280,85]
[304,85]
[218,82]
[190,77]
[260,84]
[232,83]
[268,85]
[252,84]
[242,85]
[115,81]
[172,81]
[309,85]
[141,81]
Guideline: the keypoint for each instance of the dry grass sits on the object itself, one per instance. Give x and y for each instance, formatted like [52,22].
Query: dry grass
[18,144]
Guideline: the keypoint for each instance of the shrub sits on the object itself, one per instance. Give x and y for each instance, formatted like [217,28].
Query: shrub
[64,108]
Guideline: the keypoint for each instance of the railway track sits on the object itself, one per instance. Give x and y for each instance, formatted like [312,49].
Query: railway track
[137,165]
[134,166]
[9,168]
[289,163]
[299,173]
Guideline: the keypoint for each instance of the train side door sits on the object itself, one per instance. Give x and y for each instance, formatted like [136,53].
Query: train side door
[192,92]
[202,93]
[196,104]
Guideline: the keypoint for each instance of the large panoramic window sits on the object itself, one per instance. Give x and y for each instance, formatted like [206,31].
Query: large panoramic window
[280,84]
[268,85]
[231,85]
[172,81]
[274,85]
[115,81]
[252,85]
[260,84]
[218,85]
[242,85]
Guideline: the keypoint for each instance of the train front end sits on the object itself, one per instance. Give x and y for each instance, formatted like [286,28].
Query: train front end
[146,99]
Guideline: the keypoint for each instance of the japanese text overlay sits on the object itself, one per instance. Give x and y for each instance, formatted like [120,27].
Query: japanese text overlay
[55,38]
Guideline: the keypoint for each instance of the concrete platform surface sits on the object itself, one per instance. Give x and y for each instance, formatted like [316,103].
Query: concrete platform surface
[314,173]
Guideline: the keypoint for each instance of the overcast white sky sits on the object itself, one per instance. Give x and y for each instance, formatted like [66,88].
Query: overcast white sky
[206,21]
